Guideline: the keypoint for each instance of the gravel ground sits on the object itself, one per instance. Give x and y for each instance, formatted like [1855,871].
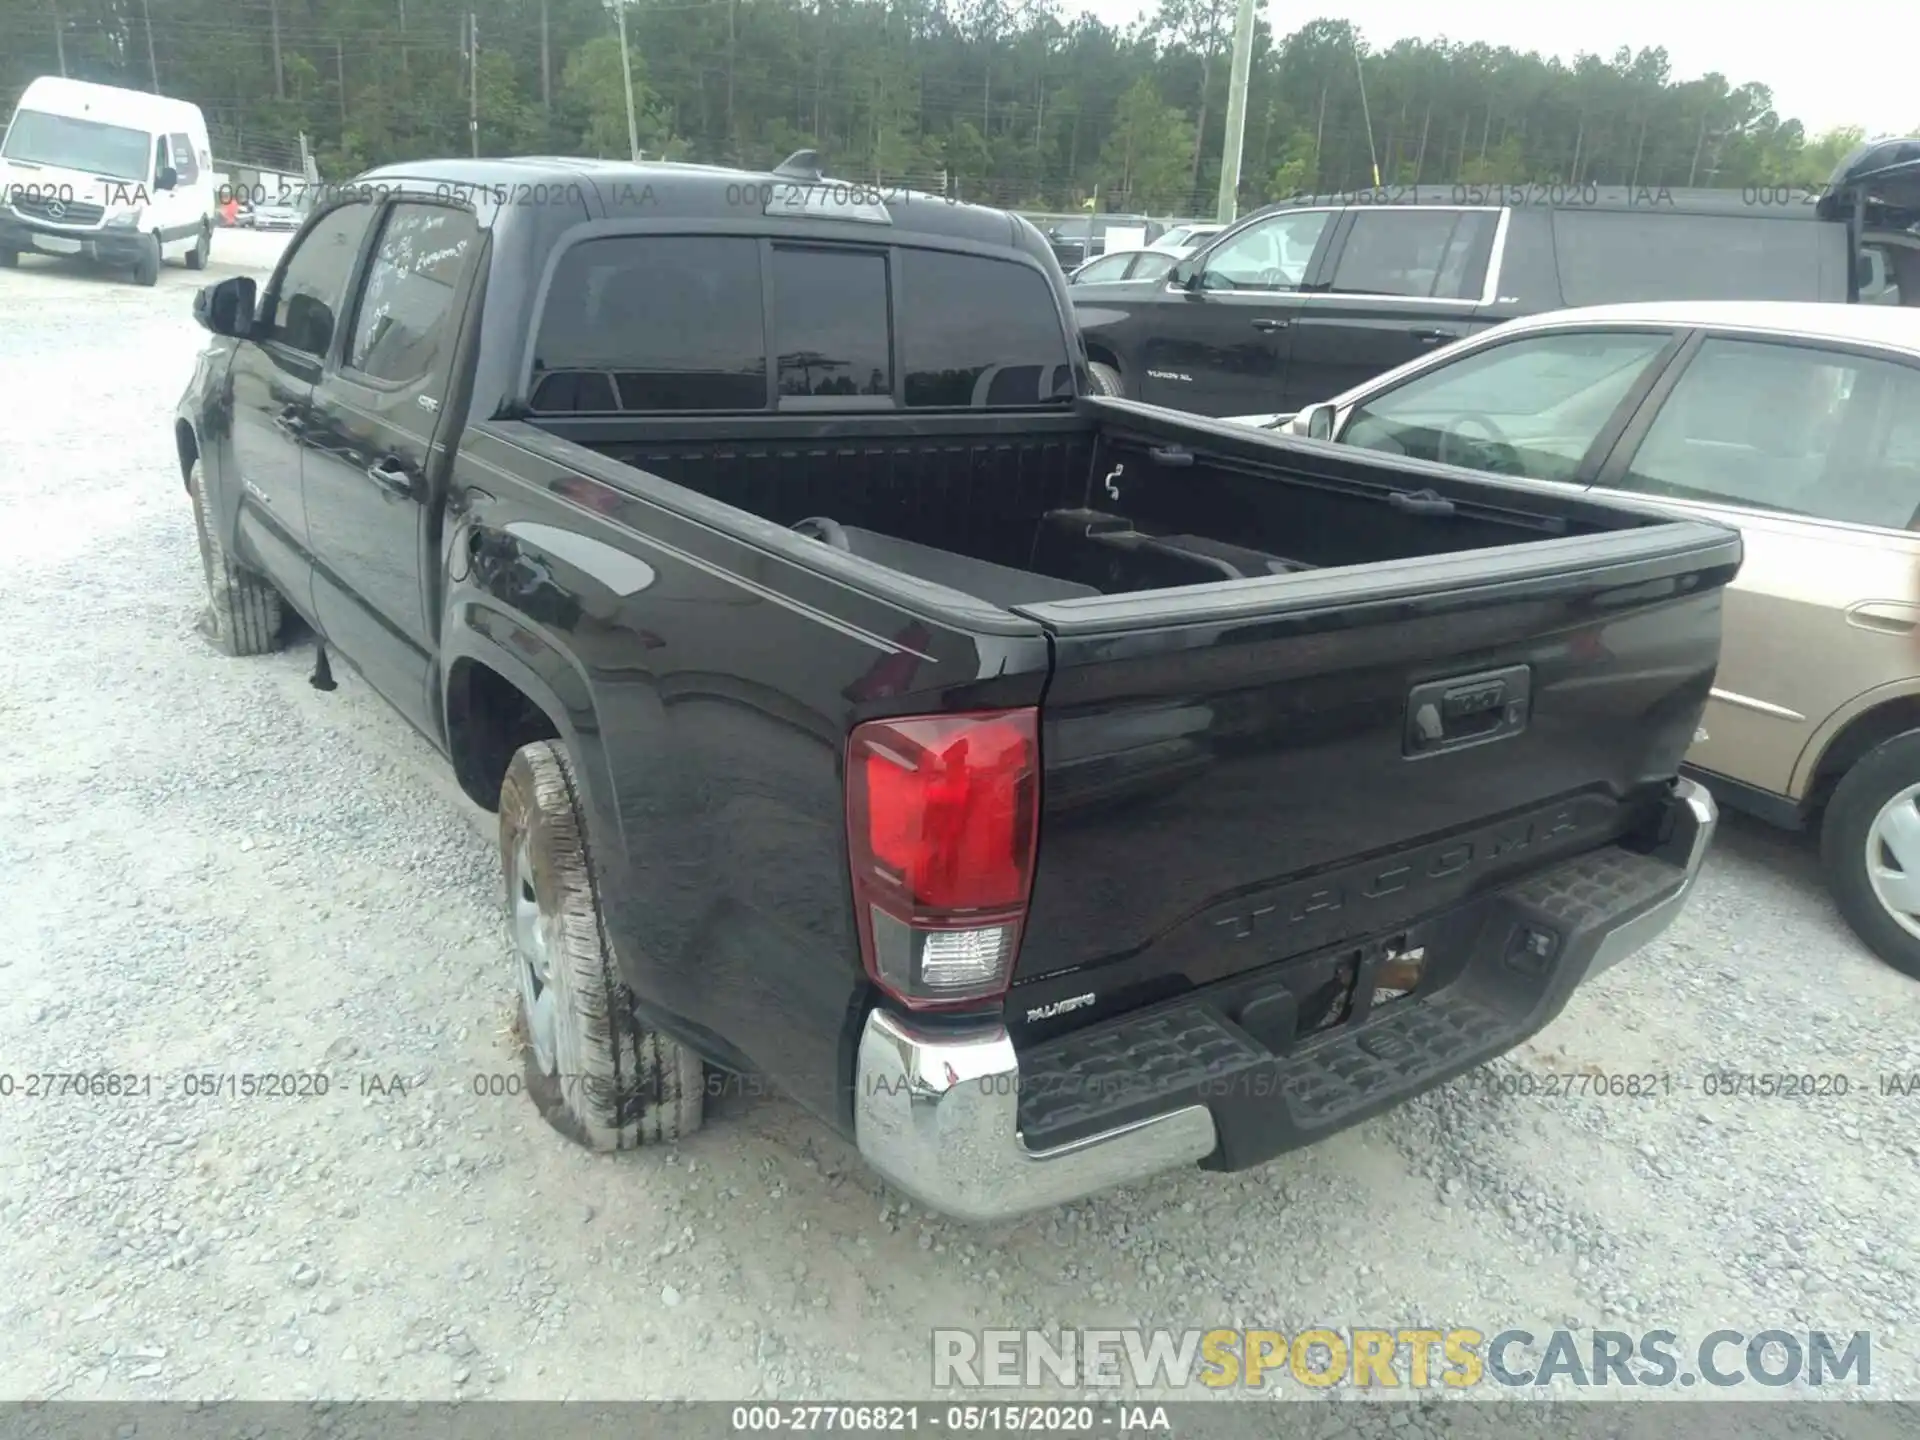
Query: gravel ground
[219,870]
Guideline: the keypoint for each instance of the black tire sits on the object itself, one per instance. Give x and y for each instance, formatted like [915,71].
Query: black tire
[9,259]
[243,611]
[610,1083]
[1106,380]
[146,270]
[1863,792]
[202,250]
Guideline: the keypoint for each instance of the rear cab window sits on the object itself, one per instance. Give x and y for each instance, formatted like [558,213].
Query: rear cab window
[666,324]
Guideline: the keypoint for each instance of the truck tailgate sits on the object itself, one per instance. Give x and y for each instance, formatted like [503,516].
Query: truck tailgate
[1243,772]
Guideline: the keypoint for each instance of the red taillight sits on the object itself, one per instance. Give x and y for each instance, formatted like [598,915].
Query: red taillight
[941,816]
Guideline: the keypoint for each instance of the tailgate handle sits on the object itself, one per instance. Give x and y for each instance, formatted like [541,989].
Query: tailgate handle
[1467,710]
[1172,455]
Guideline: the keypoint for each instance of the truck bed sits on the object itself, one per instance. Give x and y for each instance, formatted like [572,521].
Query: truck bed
[1094,504]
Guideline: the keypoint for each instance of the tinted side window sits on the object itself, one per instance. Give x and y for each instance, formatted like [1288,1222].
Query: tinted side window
[830,331]
[1607,256]
[403,325]
[976,332]
[1787,427]
[313,286]
[651,324]
[1429,253]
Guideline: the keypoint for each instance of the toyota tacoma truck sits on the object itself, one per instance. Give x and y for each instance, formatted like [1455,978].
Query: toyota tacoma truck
[1044,790]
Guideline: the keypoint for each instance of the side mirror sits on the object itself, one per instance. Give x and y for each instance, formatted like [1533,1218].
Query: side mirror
[166,178]
[227,308]
[1316,422]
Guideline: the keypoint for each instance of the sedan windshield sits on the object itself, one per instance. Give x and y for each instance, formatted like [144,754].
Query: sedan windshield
[110,150]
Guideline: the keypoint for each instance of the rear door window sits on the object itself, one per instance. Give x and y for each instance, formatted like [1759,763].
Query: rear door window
[1426,254]
[976,332]
[1800,429]
[653,324]
[404,324]
[1610,256]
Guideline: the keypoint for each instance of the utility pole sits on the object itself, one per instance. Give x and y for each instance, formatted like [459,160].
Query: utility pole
[626,74]
[60,40]
[153,65]
[546,63]
[473,81]
[1366,113]
[1236,113]
[403,37]
[340,74]
[279,69]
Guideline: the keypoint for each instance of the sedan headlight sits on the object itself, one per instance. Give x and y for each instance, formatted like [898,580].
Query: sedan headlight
[124,220]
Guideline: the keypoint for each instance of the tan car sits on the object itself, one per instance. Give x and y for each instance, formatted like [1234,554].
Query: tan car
[1798,423]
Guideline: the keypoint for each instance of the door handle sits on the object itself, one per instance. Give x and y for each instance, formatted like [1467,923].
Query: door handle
[1434,337]
[1268,323]
[391,476]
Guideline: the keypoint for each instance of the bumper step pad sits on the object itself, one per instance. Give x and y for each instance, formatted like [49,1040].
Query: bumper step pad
[1188,1052]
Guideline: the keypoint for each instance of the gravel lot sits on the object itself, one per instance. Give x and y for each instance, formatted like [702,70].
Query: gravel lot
[216,869]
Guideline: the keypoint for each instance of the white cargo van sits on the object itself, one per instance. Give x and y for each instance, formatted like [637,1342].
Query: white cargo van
[118,176]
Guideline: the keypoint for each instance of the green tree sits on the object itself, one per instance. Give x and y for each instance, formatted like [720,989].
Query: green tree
[1146,156]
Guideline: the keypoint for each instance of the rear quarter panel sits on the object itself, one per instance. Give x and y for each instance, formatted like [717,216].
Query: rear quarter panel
[711,681]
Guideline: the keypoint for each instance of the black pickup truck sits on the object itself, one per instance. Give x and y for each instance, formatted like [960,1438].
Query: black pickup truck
[1043,790]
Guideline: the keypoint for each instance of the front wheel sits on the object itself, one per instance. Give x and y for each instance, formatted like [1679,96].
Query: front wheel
[1870,849]
[1106,380]
[146,270]
[243,611]
[9,259]
[596,1074]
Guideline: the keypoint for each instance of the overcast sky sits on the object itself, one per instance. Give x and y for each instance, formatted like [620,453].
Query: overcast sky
[1847,65]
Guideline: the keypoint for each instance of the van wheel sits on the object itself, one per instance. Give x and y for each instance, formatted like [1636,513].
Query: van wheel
[243,611]
[9,259]
[1106,380]
[202,250]
[146,270]
[1870,848]
[596,1074]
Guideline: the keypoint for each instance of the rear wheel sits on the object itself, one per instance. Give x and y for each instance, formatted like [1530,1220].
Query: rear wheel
[596,1074]
[146,270]
[243,611]
[202,250]
[1106,380]
[1870,849]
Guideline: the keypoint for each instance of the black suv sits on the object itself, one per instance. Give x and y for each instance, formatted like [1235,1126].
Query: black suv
[1311,296]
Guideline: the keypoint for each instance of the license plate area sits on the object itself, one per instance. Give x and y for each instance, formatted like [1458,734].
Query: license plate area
[56,244]
[1321,993]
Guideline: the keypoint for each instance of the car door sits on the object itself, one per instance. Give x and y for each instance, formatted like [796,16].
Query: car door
[1403,280]
[271,376]
[1813,451]
[1219,345]
[367,472]
[1541,405]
